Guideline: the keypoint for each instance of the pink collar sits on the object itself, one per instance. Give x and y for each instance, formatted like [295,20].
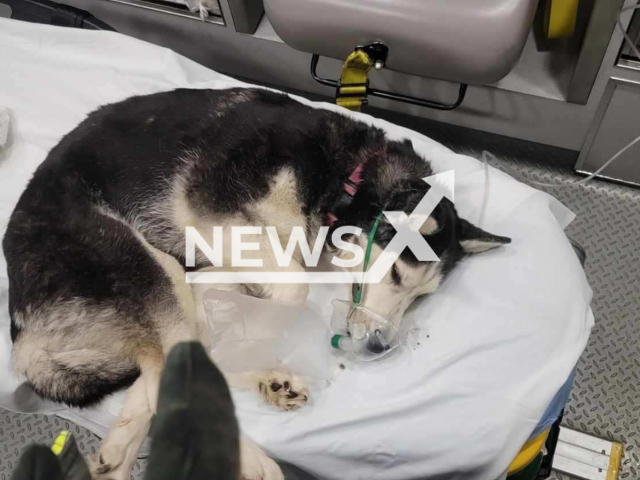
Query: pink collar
[350,187]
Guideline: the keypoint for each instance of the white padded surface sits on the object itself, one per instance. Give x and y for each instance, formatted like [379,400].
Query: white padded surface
[495,343]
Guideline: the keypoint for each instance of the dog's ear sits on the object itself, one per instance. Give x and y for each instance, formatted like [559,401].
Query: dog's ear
[475,240]
[429,227]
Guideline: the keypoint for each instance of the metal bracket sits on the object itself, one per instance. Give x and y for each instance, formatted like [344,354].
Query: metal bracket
[378,53]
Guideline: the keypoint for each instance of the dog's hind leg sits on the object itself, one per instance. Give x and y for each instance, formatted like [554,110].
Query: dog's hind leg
[255,464]
[119,449]
[175,322]
[98,317]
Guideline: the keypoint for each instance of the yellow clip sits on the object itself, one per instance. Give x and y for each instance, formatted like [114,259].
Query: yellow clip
[60,442]
[352,92]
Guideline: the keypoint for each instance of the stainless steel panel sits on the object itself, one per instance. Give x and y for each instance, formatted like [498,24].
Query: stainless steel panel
[602,23]
[246,14]
[616,123]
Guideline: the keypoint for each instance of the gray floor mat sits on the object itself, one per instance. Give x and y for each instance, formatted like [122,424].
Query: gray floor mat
[606,395]
[19,430]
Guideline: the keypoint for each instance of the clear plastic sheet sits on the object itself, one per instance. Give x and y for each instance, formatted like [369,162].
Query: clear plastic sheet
[250,334]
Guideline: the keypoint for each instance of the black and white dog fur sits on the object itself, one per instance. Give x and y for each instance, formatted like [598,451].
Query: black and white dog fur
[96,244]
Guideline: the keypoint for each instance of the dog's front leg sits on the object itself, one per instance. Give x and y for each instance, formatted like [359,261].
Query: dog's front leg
[118,451]
[276,387]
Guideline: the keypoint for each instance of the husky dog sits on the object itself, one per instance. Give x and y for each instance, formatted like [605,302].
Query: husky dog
[96,244]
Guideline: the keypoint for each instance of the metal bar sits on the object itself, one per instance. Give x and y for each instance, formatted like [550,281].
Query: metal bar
[583,455]
[577,469]
[586,441]
[391,95]
[324,81]
[420,101]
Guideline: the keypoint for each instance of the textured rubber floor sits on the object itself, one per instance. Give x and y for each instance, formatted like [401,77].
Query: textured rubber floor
[605,399]
[606,395]
[19,430]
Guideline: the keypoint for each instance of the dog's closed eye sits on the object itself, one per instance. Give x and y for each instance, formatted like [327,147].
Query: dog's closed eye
[395,276]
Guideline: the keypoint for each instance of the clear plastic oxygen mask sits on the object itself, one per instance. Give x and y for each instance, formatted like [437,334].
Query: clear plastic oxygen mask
[360,332]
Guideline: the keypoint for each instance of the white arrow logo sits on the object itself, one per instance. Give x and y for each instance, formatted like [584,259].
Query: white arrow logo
[407,234]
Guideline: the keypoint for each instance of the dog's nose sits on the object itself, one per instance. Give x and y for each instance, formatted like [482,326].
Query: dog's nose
[374,345]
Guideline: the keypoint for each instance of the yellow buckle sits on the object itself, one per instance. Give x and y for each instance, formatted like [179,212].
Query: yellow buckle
[60,442]
[354,81]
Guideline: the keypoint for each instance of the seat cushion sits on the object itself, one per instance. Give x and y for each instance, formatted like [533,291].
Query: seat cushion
[468,41]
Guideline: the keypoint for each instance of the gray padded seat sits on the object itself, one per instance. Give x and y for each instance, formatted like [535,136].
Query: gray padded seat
[467,41]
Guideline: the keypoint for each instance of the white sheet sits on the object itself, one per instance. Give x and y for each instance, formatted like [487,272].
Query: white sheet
[495,343]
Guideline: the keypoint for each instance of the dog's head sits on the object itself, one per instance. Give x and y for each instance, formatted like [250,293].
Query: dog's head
[450,237]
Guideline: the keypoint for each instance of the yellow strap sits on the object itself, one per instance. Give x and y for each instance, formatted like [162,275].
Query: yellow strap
[560,18]
[60,441]
[355,70]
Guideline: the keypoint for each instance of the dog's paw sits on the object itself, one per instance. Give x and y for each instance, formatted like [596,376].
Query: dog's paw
[112,463]
[255,465]
[285,391]
[101,470]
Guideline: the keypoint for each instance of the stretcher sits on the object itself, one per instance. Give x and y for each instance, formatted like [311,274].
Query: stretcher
[495,349]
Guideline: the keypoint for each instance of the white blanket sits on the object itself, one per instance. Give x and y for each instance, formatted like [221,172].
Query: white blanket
[492,346]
